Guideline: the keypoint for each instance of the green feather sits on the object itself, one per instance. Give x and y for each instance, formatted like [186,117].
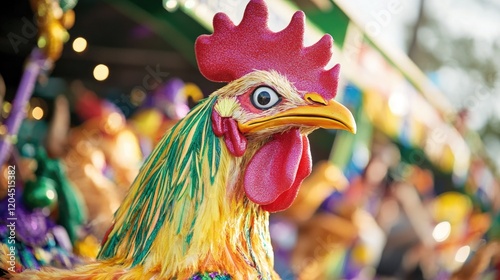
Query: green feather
[185,147]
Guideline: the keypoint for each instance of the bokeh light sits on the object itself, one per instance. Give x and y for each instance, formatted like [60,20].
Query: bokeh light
[37,113]
[171,5]
[462,254]
[101,72]
[442,231]
[79,44]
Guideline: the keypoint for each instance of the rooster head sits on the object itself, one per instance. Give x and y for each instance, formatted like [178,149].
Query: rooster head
[278,91]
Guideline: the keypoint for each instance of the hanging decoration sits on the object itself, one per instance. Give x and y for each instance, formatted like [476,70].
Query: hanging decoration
[53,22]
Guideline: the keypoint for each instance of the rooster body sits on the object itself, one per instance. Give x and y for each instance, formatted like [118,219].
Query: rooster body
[200,204]
[198,221]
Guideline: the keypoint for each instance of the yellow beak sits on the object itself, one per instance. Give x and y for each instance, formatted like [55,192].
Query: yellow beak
[319,113]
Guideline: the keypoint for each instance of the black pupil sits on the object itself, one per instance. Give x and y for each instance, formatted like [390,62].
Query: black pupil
[264,98]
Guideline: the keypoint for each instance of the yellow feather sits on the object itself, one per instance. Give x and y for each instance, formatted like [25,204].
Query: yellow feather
[226,106]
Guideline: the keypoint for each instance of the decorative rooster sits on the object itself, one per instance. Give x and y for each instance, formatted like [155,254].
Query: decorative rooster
[200,205]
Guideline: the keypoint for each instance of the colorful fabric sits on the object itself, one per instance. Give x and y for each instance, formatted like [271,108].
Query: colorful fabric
[211,275]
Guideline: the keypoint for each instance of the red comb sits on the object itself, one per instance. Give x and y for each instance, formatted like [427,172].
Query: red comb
[233,51]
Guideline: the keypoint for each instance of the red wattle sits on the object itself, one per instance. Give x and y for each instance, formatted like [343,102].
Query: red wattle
[235,141]
[286,199]
[274,174]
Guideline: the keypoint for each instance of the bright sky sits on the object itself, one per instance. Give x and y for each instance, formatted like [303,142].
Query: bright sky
[390,15]
[477,21]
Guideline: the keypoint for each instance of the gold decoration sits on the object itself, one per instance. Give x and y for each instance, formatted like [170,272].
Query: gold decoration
[52,25]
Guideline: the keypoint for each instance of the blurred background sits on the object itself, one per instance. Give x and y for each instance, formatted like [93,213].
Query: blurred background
[414,194]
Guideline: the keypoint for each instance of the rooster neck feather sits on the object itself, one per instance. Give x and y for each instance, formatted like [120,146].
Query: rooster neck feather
[179,210]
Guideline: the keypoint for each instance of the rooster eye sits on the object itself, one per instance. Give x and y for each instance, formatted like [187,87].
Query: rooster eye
[265,97]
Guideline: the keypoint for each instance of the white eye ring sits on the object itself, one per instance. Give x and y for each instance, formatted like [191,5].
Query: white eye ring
[264,97]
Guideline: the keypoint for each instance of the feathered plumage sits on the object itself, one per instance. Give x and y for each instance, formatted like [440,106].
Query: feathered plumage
[200,204]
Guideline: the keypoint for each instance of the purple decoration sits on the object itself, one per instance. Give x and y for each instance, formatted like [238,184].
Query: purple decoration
[331,202]
[62,238]
[32,227]
[35,230]
[171,100]
[149,102]
[170,91]
[36,62]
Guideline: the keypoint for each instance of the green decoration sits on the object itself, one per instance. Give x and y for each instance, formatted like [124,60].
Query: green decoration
[67,4]
[40,193]
[70,205]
